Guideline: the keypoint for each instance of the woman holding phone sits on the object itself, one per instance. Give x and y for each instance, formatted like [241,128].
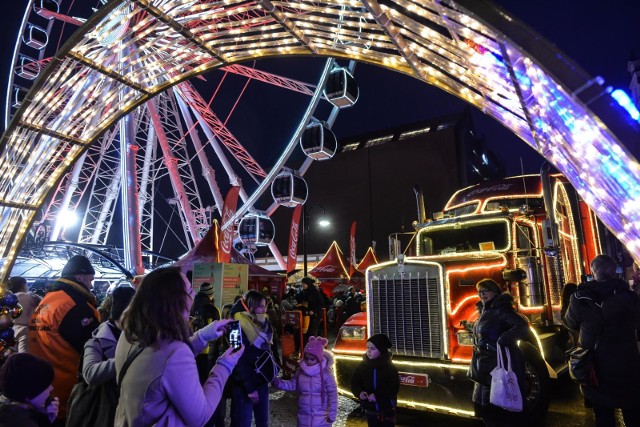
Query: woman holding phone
[161,386]
[249,388]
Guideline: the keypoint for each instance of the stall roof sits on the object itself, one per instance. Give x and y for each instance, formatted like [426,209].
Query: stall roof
[332,265]
[368,260]
[207,251]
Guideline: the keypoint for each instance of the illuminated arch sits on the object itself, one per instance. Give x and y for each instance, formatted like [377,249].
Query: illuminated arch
[468,48]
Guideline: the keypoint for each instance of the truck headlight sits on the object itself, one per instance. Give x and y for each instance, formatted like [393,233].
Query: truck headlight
[353,332]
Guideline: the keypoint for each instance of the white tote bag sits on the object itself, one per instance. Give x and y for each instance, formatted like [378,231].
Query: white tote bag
[505,392]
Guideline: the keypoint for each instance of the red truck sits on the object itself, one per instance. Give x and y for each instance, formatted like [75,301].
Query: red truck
[532,234]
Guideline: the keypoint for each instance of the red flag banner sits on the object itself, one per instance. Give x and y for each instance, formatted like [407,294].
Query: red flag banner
[352,249]
[294,232]
[226,236]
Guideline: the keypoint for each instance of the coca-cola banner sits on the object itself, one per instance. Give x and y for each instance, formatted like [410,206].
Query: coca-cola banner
[292,255]
[352,249]
[226,237]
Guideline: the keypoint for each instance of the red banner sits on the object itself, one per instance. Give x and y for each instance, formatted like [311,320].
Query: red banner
[352,249]
[226,236]
[292,255]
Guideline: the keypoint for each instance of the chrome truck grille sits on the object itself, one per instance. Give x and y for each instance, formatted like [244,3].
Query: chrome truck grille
[407,308]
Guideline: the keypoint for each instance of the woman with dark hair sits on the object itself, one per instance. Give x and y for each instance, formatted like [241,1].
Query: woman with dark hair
[161,385]
[498,324]
[249,387]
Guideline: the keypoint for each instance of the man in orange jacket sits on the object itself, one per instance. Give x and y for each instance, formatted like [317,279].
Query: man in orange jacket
[62,323]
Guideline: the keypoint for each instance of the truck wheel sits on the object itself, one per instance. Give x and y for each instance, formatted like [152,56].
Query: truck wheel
[537,393]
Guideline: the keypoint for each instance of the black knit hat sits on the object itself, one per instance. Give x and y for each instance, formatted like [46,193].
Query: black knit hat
[121,296]
[308,281]
[381,341]
[77,264]
[24,376]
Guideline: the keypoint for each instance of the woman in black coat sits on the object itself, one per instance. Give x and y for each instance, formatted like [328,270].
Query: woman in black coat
[606,313]
[498,323]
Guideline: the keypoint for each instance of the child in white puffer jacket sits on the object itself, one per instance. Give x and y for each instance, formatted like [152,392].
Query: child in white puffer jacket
[315,384]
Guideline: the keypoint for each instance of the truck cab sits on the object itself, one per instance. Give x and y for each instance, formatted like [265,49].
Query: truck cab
[531,234]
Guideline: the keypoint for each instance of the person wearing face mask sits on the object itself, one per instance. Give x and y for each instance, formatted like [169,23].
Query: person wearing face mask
[249,386]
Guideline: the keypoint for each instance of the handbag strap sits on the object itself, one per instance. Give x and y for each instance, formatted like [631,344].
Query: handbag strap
[508,359]
[500,361]
[128,362]
[598,307]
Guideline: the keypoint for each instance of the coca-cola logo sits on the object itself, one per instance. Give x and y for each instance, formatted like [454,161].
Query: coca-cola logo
[294,240]
[352,242]
[228,233]
[325,269]
[492,189]
[415,380]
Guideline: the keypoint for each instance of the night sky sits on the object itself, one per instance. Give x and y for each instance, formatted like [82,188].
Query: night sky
[599,38]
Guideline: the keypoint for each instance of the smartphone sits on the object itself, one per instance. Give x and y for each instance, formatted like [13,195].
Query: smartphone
[234,334]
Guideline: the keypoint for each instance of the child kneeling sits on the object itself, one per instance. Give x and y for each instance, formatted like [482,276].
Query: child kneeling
[316,386]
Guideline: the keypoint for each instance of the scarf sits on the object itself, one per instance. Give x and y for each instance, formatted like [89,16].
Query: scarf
[259,334]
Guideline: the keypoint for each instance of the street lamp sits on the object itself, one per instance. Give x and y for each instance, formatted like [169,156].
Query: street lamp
[323,222]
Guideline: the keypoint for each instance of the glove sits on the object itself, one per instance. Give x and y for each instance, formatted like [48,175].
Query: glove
[213,330]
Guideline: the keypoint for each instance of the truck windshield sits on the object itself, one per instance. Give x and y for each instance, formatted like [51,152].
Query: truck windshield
[467,236]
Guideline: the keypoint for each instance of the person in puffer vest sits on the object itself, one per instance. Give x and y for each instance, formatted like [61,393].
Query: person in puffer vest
[315,384]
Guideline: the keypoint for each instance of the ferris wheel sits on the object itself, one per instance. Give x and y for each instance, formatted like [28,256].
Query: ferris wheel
[162,171]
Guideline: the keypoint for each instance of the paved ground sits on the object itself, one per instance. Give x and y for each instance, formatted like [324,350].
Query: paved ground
[566,410]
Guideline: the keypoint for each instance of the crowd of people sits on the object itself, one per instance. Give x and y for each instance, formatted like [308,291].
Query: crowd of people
[601,315]
[159,354]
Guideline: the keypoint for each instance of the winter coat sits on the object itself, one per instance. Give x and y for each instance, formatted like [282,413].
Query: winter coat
[203,313]
[314,300]
[257,339]
[29,302]
[61,325]
[611,330]
[98,362]
[317,392]
[21,415]
[380,377]
[497,320]
[161,387]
